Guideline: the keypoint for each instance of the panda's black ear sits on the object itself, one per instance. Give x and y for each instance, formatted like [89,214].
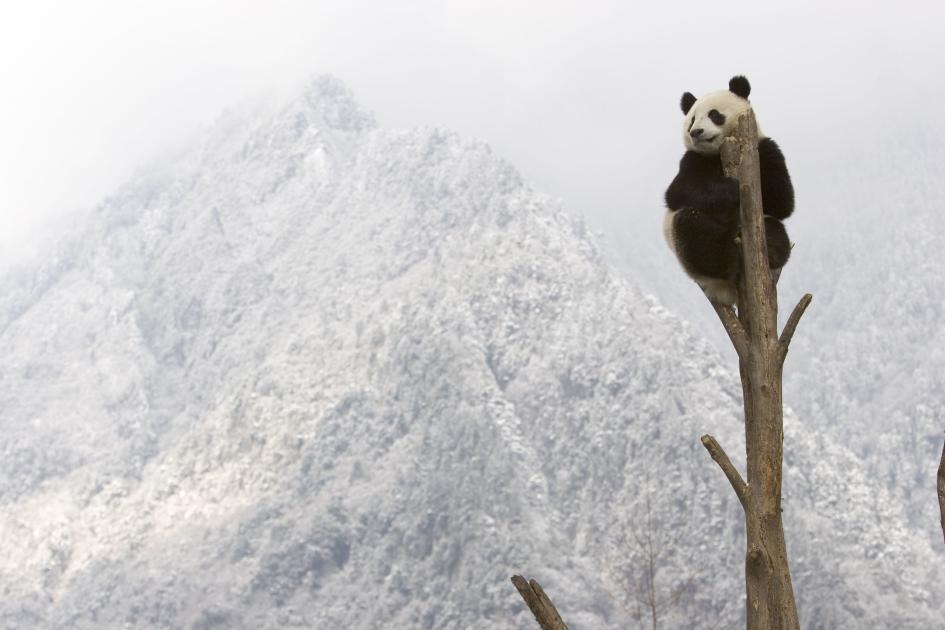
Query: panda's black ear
[687,102]
[740,86]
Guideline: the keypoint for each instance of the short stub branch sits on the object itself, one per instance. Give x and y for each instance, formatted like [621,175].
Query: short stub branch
[731,473]
[539,603]
[788,333]
[734,328]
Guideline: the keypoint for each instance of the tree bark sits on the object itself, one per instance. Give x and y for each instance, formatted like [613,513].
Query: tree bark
[539,603]
[941,489]
[761,354]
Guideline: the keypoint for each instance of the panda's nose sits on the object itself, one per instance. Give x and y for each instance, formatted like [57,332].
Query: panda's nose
[695,133]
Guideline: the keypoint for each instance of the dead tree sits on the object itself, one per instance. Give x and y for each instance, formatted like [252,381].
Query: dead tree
[650,541]
[761,353]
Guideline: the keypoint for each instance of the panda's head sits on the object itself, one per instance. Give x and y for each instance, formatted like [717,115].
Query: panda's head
[713,117]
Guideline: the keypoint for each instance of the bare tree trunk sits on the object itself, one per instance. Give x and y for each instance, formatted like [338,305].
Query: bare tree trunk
[761,355]
[941,489]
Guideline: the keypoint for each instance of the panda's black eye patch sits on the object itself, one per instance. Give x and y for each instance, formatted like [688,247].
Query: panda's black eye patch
[716,117]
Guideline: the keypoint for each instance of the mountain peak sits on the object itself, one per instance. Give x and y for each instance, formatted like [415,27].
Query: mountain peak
[333,102]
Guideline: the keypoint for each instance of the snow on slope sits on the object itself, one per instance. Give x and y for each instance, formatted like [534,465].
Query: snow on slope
[319,374]
[869,369]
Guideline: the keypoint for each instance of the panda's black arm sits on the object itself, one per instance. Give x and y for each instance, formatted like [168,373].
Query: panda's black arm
[777,192]
[700,184]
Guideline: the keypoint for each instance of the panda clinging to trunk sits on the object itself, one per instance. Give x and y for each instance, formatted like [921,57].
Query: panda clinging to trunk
[701,222]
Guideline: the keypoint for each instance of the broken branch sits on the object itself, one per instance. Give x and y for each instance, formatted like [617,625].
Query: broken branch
[539,603]
[734,478]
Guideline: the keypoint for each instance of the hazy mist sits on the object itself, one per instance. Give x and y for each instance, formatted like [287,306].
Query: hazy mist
[582,98]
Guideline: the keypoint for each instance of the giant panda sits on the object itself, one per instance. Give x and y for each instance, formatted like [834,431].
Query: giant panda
[701,222]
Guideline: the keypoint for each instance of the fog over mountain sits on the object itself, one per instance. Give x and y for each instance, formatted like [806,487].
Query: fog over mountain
[316,373]
[582,98]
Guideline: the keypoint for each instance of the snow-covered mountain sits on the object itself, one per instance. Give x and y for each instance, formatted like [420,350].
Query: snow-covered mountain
[318,374]
[869,370]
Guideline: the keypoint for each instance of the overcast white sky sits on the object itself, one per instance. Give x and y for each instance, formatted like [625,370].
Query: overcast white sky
[581,96]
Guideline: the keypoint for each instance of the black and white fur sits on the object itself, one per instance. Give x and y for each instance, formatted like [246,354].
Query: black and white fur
[701,222]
